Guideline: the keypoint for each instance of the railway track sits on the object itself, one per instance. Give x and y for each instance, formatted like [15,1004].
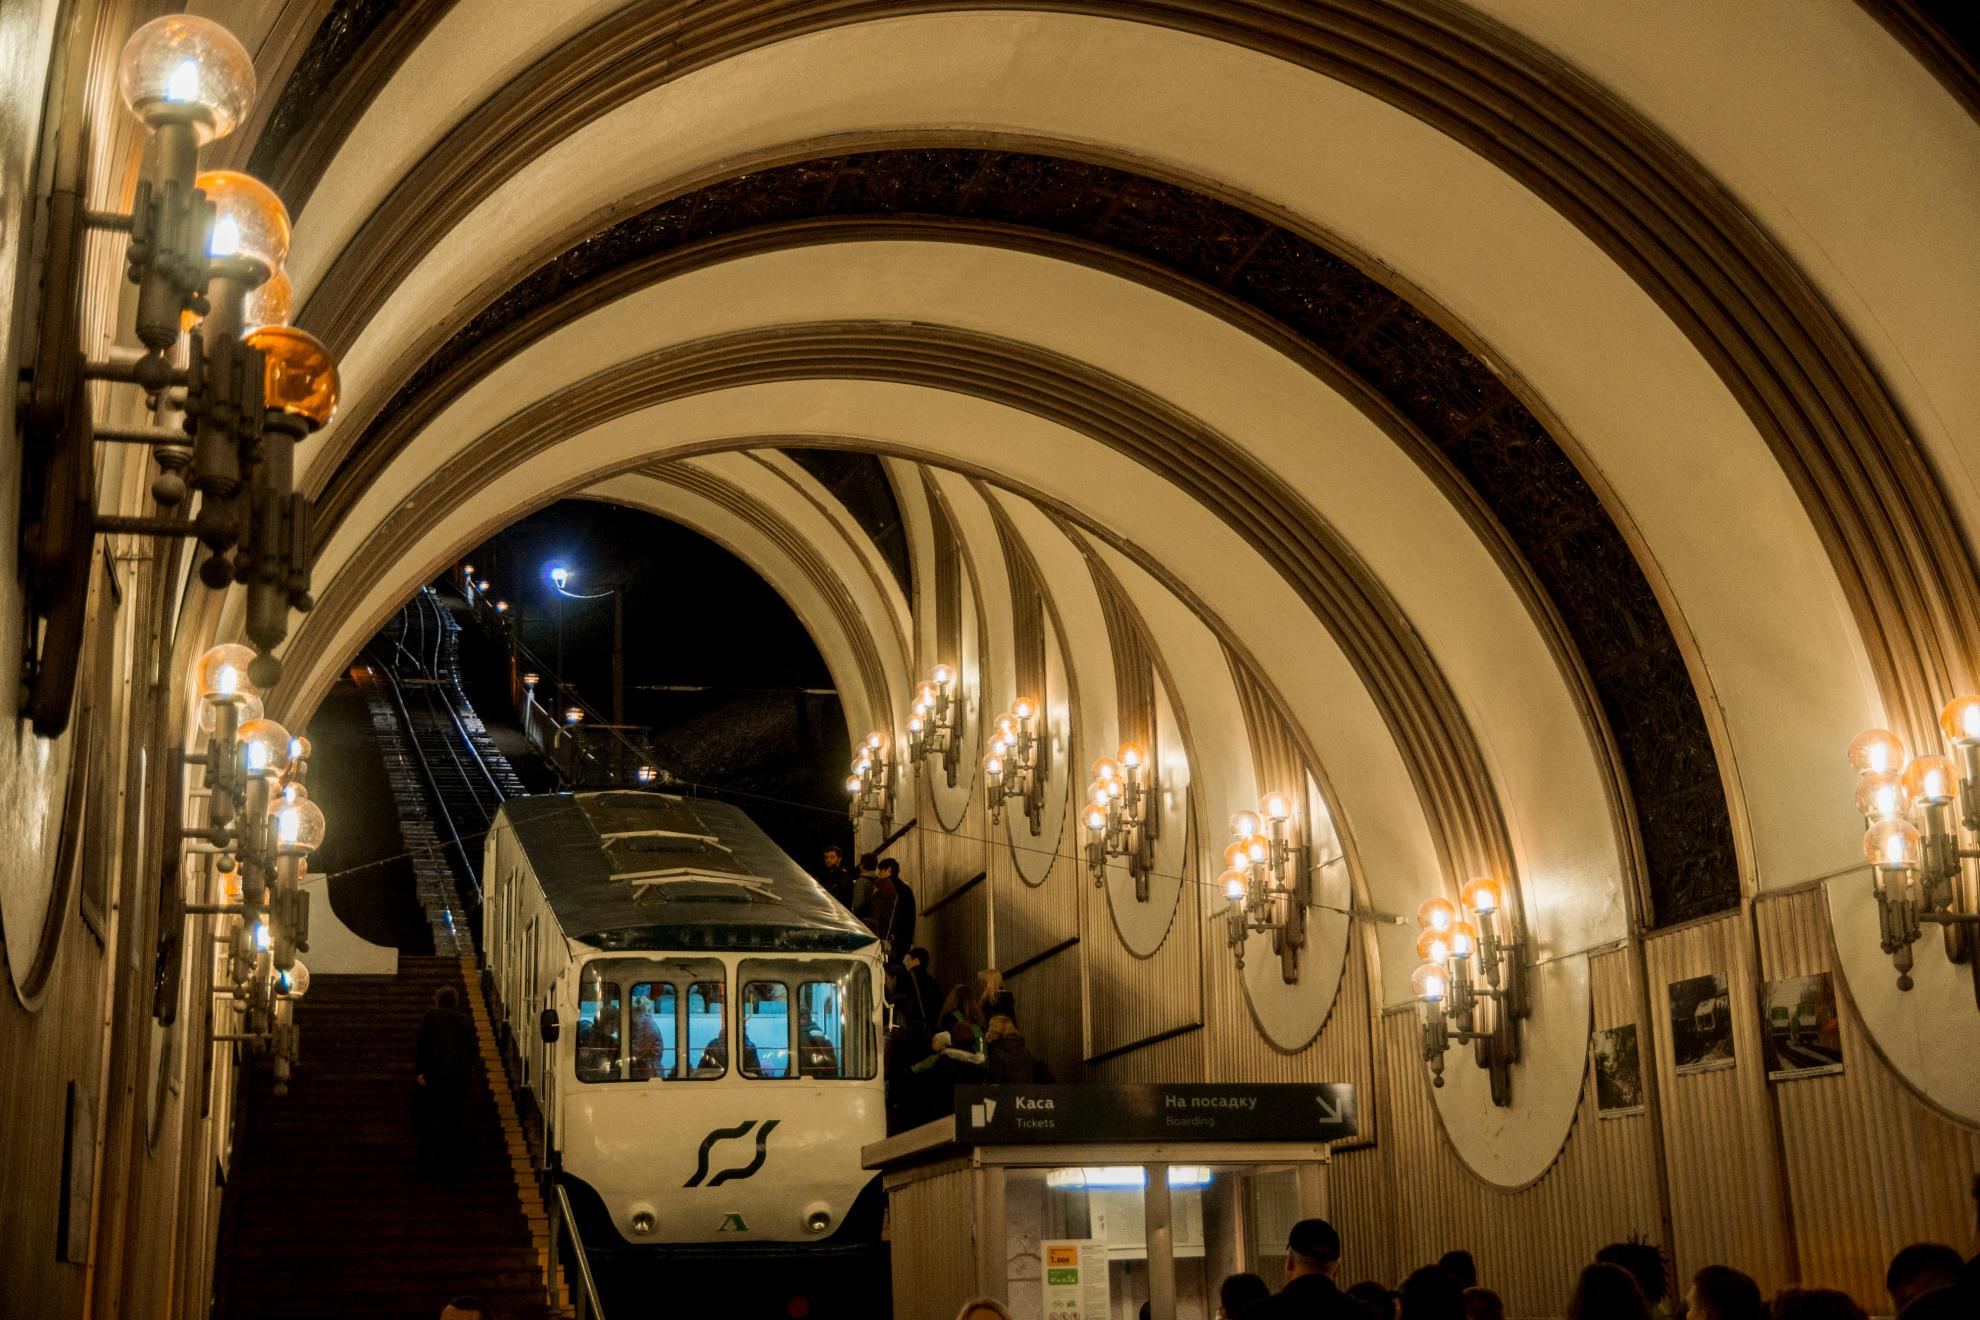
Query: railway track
[439,756]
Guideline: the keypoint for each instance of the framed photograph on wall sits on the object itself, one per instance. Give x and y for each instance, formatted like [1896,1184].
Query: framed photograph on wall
[1798,1027]
[1701,1024]
[1618,1072]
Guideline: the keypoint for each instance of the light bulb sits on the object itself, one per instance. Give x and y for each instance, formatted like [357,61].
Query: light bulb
[1429,983]
[249,220]
[561,576]
[943,675]
[1236,885]
[1275,806]
[1436,913]
[1892,845]
[501,607]
[1481,895]
[1131,756]
[876,740]
[482,585]
[1930,779]
[298,375]
[1096,793]
[298,749]
[993,765]
[1961,720]
[915,723]
[1433,945]
[226,240]
[1876,750]
[1024,708]
[1882,794]
[221,674]
[1105,769]
[574,715]
[1000,745]
[1115,788]
[1464,939]
[852,784]
[261,937]
[1006,727]
[1245,823]
[1235,857]
[1096,819]
[295,981]
[182,69]
[1258,848]
[531,680]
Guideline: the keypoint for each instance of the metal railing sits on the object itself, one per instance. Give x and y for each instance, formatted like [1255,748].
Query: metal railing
[584,1298]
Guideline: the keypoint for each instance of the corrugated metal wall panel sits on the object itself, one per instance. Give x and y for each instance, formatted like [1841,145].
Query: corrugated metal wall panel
[1044,991]
[1720,1145]
[1131,999]
[1869,1167]
[929,1222]
[1173,1059]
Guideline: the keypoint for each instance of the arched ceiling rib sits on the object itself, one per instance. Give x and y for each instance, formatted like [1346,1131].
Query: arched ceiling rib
[1253,501]
[1463,423]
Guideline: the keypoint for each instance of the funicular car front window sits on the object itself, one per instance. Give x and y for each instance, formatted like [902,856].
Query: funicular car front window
[808,1018]
[674,1024]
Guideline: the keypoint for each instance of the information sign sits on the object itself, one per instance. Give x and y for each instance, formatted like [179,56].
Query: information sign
[1076,1284]
[1090,1112]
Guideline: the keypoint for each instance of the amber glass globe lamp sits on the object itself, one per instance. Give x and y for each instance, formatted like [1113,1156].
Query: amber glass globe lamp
[301,376]
[249,221]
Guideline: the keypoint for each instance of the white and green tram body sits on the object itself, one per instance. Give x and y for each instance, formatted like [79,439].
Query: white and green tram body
[698,1022]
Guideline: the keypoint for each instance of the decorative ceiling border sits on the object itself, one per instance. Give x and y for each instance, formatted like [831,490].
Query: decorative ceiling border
[1903,561]
[1423,715]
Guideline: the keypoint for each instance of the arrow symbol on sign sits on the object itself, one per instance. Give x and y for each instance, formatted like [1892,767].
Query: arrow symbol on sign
[1329,1112]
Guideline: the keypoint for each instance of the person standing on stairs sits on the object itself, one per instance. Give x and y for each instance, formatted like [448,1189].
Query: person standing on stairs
[442,1063]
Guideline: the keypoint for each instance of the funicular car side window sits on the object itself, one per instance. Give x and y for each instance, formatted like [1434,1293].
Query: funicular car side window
[672,1025]
[598,1030]
[809,1018]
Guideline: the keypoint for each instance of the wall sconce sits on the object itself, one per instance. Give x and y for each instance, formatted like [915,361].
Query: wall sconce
[646,774]
[1456,1005]
[531,680]
[1267,882]
[871,783]
[1116,816]
[1014,767]
[1913,840]
[206,253]
[501,607]
[574,715]
[932,721]
[261,828]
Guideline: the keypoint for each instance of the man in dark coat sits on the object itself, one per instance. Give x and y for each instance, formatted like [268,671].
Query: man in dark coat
[889,911]
[920,985]
[836,876]
[1313,1253]
[442,1064]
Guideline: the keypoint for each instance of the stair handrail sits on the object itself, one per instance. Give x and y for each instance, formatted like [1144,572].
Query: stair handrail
[585,1298]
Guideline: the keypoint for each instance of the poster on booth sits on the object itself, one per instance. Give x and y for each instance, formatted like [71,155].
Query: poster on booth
[1076,1279]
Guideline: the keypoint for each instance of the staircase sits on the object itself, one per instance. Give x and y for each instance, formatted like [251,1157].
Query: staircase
[330,1216]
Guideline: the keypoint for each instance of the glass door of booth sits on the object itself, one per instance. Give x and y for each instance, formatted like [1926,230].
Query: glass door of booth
[1093,1241]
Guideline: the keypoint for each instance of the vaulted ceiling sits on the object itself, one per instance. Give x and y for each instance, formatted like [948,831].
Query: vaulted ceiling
[1562,416]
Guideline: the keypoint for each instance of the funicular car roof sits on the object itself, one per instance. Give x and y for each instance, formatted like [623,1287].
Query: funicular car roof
[625,870]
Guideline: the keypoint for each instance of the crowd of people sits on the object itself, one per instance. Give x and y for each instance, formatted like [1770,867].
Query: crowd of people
[938,1039]
[1625,1281]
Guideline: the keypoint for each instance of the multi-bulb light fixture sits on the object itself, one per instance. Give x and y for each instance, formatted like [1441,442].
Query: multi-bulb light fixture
[1914,810]
[934,721]
[871,783]
[260,828]
[1116,816]
[232,387]
[1267,882]
[1014,767]
[1472,983]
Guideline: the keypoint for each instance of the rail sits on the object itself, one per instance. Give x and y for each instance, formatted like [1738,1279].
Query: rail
[584,1298]
[453,834]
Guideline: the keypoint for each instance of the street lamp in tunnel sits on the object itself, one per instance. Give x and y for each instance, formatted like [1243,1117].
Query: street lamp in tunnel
[561,577]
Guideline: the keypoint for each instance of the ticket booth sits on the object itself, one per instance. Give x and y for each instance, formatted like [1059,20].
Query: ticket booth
[1080,1202]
